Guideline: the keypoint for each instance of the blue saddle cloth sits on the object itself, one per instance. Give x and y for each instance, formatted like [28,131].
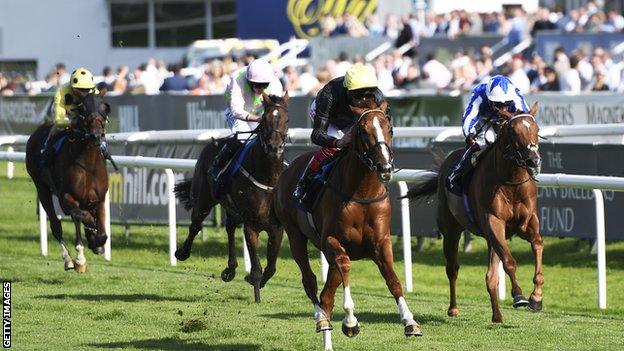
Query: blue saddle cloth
[318,183]
[239,158]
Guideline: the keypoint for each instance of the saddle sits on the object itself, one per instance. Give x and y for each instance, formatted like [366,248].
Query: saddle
[319,182]
[222,184]
[55,144]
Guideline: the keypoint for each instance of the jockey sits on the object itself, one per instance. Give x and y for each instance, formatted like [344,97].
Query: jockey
[333,119]
[244,99]
[66,99]
[478,122]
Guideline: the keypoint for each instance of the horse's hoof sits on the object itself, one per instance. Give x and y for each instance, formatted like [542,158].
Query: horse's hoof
[351,331]
[520,301]
[182,255]
[413,330]
[80,268]
[534,305]
[323,325]
[228,274]
[453,312]
[497,319]
[69,265]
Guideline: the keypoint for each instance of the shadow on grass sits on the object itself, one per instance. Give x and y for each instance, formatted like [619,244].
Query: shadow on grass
[565,253]
[363,317]
[172,344]
[118,297]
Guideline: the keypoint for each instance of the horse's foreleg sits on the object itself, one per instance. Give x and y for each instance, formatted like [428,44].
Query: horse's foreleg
[299,250]
[537,245]
[45,196]
[495,230]
[230,227]
[81,261]
[384,260]
[77,213]
[255,276]
[491,282]
[273,247]
[197,217]
[323,311]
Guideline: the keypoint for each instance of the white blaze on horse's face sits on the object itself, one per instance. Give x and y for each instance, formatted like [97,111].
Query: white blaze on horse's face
[275,113]
[381,139]
[526,124]
[533,147]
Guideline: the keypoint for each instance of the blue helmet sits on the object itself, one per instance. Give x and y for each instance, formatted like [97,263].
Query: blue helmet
[500,89]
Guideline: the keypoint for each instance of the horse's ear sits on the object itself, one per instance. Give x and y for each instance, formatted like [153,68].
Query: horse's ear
[356,110]
[533,109]
[265,99]
[105,109]
[384,106]
[503,112]
[285,98]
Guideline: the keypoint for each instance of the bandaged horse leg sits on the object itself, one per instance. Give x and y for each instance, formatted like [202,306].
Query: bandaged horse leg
[80,261]
[323,314]
[67,259]
[384,259]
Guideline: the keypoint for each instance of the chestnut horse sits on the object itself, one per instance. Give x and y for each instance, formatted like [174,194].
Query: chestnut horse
[502,197]
[351,220]
[249,198]
[80,177]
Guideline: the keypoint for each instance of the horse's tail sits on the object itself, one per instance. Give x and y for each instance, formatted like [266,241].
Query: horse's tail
[424,187]
[428,185]
[183,192]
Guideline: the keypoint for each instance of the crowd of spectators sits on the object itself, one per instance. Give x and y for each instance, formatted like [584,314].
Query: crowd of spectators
[398,70]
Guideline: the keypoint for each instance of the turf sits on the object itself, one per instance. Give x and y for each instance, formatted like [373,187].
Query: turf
[139,302]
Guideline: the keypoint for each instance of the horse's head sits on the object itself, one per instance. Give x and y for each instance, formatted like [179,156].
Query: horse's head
[519,139]
[92,117]
[273,129]
[372,139]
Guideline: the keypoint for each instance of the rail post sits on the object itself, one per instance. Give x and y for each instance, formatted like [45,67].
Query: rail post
[172,216]
[600,247]
[407,238]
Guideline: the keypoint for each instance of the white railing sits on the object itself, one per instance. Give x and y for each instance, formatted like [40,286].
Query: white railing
[559,180]
[303,134]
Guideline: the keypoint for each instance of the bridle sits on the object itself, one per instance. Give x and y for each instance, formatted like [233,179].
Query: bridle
[275,130]
[511,151]
[81,129]
[366,155]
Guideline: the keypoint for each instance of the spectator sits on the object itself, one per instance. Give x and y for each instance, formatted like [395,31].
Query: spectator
[571,79]
[518,76]
[61,72]
[406,36]
[218,80]
[51,83]
[307,80]
[600,81]
[518,27]
[175,83]
[108,76]
[437,75]
[491,23]
[464,71]
[120,86]
[615,22]
[561,61]
[392,28]
[291,79]
[484,64]
[374,26]
[102,87]
[203,86]
[543,21]
[551,80]
[343,64]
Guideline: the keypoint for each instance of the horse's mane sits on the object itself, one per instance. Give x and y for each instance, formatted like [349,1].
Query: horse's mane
[275,99]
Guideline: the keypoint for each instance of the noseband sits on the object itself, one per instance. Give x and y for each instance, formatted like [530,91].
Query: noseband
[366,155]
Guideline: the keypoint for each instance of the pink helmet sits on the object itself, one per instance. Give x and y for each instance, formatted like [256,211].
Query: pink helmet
[260,71]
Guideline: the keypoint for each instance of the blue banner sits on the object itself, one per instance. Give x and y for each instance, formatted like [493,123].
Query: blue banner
[286,18]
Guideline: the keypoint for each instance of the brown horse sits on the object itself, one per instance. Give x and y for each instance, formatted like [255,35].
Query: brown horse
[503,200]
[80,177]
[249,199]
[351,219]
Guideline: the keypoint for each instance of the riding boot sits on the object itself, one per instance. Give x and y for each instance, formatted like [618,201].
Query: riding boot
[219,162]
[304,181]
[465,165]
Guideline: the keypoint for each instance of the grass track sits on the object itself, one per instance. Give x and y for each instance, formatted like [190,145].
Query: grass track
[138,302]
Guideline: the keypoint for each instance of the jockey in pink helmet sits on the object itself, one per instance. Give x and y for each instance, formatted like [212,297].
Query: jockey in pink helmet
[244,99]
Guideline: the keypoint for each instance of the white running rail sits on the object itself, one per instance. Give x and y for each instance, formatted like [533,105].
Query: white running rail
[558,180]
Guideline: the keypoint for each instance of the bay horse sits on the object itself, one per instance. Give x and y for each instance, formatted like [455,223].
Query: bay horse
[249,198]
[80,177]
[502,198]
[351,220]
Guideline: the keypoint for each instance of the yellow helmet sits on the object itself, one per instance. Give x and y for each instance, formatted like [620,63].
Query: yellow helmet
[82,79]
[360,76]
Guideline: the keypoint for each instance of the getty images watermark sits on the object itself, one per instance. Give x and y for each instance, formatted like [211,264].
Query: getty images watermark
[6,315]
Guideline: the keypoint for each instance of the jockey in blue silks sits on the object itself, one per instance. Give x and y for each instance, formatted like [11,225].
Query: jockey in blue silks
[478,122]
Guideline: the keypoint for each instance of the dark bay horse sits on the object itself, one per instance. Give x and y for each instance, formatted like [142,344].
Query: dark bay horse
[80,177]
[351,220]
[503,199]
[249,199]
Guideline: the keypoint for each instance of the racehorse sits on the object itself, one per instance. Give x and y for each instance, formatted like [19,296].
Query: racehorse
[249,199]
[502,198]
[80,177]
[351,220]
